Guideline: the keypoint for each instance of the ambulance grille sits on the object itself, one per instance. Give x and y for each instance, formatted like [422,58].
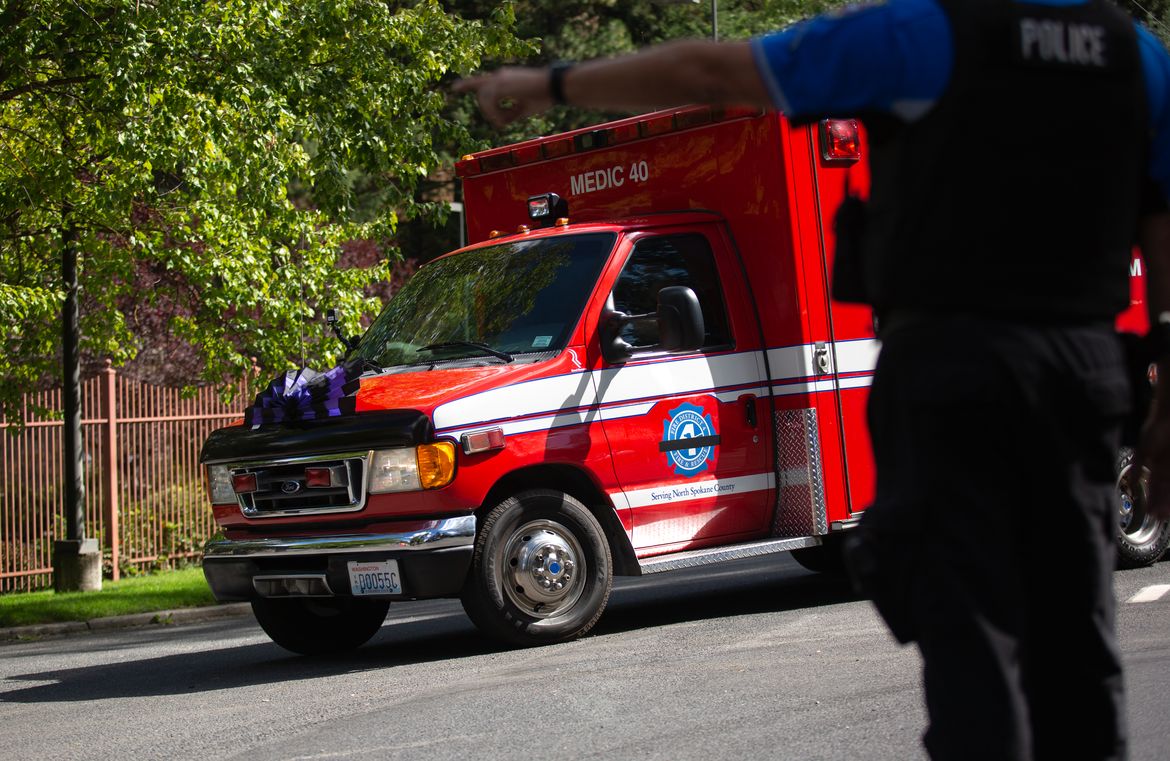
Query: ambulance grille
[281,489]
[800,486]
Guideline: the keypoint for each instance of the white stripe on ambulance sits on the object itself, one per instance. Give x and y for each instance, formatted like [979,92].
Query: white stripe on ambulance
[558,401]
[692,490]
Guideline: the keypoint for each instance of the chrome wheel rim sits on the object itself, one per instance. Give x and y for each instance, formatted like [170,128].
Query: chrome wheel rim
[543,568]
[1136,524]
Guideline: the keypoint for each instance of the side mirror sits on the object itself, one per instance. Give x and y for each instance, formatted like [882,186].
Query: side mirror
[679,320]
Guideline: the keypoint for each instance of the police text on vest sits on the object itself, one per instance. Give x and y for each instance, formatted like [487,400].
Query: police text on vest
[1057,42]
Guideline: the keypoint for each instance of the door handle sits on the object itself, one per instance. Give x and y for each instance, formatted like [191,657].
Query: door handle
[749,408]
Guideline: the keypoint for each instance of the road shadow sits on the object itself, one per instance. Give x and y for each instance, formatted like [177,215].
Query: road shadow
[441,633]
[758,586]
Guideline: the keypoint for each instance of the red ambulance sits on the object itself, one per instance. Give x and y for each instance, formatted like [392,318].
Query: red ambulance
[634,367]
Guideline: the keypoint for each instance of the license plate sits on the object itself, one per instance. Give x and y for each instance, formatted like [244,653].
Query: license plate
[379,578]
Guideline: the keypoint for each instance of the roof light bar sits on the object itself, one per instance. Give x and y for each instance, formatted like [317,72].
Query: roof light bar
[602,137]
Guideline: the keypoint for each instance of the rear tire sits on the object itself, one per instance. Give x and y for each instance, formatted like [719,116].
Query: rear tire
[1142,540]
[541,571]
[320,625]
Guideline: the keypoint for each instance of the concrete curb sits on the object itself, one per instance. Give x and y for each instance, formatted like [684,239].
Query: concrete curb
[157,618]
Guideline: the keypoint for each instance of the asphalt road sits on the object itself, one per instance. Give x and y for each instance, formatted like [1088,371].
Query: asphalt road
[756,658]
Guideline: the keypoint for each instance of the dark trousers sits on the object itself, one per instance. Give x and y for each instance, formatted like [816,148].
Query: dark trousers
[995,447]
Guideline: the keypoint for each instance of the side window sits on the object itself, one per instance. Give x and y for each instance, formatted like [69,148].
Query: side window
[656,263]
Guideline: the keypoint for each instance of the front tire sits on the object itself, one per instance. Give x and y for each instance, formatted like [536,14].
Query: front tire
[541,571]
[1142,539]
[320,625]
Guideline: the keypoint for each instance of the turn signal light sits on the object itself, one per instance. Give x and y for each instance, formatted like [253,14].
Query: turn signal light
[244,483]
[436,464]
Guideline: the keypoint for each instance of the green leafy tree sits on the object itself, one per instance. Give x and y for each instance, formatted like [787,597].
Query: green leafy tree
[1155,14]
[582,29]
[202,154]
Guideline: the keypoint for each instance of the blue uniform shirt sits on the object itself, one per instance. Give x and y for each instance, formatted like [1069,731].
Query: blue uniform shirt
[897,57]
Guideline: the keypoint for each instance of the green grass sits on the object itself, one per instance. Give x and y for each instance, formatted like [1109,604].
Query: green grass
[140,594]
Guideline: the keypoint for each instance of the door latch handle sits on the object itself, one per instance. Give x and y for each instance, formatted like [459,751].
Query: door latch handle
[749,408]
[821,357]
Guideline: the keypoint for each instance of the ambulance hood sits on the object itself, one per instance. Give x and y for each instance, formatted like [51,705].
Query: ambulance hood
[431,391]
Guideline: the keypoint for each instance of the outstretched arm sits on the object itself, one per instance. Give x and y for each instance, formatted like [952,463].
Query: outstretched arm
[672,74]
[1154,446]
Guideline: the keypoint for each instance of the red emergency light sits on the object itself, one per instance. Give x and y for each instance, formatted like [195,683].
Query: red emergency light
[657,125]
[554,149]
[318,478]
[840,141]
[244,483]
[526,154]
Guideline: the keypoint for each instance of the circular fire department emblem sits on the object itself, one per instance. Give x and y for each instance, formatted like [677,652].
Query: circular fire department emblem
[687,421]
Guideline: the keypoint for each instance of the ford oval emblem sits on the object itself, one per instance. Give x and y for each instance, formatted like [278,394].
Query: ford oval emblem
[290,487]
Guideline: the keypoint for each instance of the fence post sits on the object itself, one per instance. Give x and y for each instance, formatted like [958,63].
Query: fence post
[112,533]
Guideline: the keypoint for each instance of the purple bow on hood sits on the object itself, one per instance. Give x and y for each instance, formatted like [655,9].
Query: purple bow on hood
[307,395]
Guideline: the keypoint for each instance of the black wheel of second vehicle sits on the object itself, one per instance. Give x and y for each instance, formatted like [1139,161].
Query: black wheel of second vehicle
[1142,539]
[320,625]
[541,571]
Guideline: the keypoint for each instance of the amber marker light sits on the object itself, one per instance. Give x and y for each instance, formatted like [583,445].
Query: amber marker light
[436,464]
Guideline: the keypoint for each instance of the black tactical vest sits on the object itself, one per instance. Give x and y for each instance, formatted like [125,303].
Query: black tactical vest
[1017,196]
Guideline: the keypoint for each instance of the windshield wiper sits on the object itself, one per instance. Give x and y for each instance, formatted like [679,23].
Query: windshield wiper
[470,344]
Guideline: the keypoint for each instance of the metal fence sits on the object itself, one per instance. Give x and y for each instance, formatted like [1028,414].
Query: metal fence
[144,491]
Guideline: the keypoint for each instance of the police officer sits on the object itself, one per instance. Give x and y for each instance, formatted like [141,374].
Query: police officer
[1017,151]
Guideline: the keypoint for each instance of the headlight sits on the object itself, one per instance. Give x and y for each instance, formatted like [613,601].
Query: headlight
[427,466]
[219,485]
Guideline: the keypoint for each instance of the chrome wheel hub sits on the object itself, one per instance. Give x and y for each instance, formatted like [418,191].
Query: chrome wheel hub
[1135,523]
[543,568]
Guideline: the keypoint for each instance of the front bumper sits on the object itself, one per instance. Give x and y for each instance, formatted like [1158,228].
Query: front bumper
[433,558]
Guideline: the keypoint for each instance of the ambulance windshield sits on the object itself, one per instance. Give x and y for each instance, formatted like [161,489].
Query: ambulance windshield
[515,298]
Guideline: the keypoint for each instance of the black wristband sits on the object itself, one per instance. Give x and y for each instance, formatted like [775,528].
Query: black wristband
[556,81]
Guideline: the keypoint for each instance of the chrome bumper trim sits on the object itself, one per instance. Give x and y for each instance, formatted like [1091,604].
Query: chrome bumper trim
[444,534]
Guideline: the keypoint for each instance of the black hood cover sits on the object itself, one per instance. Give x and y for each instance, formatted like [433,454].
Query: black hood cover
[353,433]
